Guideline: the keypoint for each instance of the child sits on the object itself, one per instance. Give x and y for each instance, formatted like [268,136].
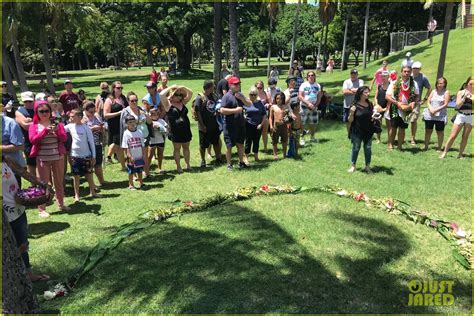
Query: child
[278,124]
[157,142]
[134,143]
[82,152]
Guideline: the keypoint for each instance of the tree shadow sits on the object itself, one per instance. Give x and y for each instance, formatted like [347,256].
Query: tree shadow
[262,270]
[412,150]
[38,230]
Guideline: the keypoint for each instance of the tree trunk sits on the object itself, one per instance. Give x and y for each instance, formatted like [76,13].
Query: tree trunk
[73,62]
[88,62]
[149,58]
[269,54]
[79,60]
[325,44]
[444,46]
[47,64]
[366,34]
[295,34]
[9,71]
[19,64]
[17,290]
[346,29]
[217,41]
[234,41]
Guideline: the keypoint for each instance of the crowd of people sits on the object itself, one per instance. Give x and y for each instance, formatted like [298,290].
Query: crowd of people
[46,135]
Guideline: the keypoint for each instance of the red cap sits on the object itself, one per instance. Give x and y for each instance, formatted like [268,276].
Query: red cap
[233,80]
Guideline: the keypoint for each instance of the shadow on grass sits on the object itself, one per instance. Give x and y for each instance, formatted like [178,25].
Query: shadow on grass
[249,264]
[38,230]
[383,169]
[81,208]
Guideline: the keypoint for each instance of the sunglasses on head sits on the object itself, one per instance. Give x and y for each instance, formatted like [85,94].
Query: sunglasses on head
[44,111]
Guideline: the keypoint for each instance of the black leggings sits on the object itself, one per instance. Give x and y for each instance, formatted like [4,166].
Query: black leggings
[252,137]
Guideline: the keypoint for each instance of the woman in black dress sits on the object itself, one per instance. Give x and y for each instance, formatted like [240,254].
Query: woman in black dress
[174,101]
[362,127]
[112,110]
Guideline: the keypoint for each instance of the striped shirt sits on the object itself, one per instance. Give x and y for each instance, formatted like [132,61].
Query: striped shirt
[49,147]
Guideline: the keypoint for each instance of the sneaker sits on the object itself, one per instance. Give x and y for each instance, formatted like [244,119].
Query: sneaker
[242,165]
[43,214]
[351,169]
[302,143]
[230,167]
[203,164]
[368,170]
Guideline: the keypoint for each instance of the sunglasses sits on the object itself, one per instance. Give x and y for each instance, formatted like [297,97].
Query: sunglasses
[44,111]
[133,101]
[120,88]
[310,75]
[252,95]
[28,102]
[178,95]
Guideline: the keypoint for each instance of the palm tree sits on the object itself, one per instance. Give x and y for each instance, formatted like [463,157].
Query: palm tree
[217,40]
[444,46]
[272,9]
[346,29]
[234,41]
[295,32]
[366,31]
[327,12]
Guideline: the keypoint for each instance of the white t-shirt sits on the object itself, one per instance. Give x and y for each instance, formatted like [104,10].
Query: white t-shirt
[83,145]
[134,141]
[9,189]
[310,91]
[402,96]
[349,84]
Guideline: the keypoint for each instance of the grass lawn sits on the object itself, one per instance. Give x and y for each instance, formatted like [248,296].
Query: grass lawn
[307,253]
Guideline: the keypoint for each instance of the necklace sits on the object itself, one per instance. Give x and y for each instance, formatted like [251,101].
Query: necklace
[405,87]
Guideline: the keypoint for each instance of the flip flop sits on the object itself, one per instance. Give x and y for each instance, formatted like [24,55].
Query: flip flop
[39,278]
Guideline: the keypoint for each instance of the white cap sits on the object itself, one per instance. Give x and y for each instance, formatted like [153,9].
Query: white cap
[416,64]
[27,96]
[40,97]
[408,54]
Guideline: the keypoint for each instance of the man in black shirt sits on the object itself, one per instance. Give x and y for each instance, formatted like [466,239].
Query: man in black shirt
[209,133]
[223,86]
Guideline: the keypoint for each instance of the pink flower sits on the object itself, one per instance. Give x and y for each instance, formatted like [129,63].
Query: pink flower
[264,188]
[454,226]
[360,196]
[189,203]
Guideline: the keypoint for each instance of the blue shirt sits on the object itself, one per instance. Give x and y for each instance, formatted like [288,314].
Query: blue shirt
[149,99]
[12,135]
[255,113]
[229,101]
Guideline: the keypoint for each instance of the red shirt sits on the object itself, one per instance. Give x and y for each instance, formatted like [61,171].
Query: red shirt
[154,76]
[69,101]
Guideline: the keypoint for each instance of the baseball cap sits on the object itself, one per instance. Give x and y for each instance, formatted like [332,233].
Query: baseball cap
[408,54]
[27,96]
[290,78]
[233,80]
[416,64]
[354,71]
[67,81]
[40,97]
[4,83]
[150,84]
[130,118]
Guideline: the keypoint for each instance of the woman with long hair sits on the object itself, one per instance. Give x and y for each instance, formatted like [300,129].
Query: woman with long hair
[381,102]
[174,101]
[362,127]
[463,118]
[113,108]
[262,96]
[436,115]
[48,139]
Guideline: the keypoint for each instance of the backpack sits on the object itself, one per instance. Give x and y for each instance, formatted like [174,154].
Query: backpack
[194,109]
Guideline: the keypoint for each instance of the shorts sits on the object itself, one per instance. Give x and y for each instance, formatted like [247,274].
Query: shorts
[113,138]
[345,114]
[281,132]
[81,166]
[308,116]
[398,122]
[159,145]
[209,138]
[132,170]
[99,155]
[234,135]
[462,119]
[438,124]
[415,114]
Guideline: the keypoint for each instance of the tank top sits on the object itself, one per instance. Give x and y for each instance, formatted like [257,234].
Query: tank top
[49,147]
[437,100]
[381,96]
[114,123]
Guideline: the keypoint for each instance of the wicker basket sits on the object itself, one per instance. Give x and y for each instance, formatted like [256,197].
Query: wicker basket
[21,199]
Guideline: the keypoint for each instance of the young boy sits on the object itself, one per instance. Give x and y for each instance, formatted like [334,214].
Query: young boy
[278,124]
[157,142]
[82,152]
[134,143]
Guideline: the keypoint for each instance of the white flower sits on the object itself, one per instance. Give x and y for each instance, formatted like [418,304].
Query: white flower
[48,295]
[342,193]
[460,233]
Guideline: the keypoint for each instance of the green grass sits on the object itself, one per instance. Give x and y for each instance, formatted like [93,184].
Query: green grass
[309,253]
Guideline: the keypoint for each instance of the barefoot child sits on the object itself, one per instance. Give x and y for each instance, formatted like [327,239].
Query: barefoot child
[157,142]
[82,152]
[134,143]
[278,124]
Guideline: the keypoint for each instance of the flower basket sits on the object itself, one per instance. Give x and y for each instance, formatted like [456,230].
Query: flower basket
[34,196]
